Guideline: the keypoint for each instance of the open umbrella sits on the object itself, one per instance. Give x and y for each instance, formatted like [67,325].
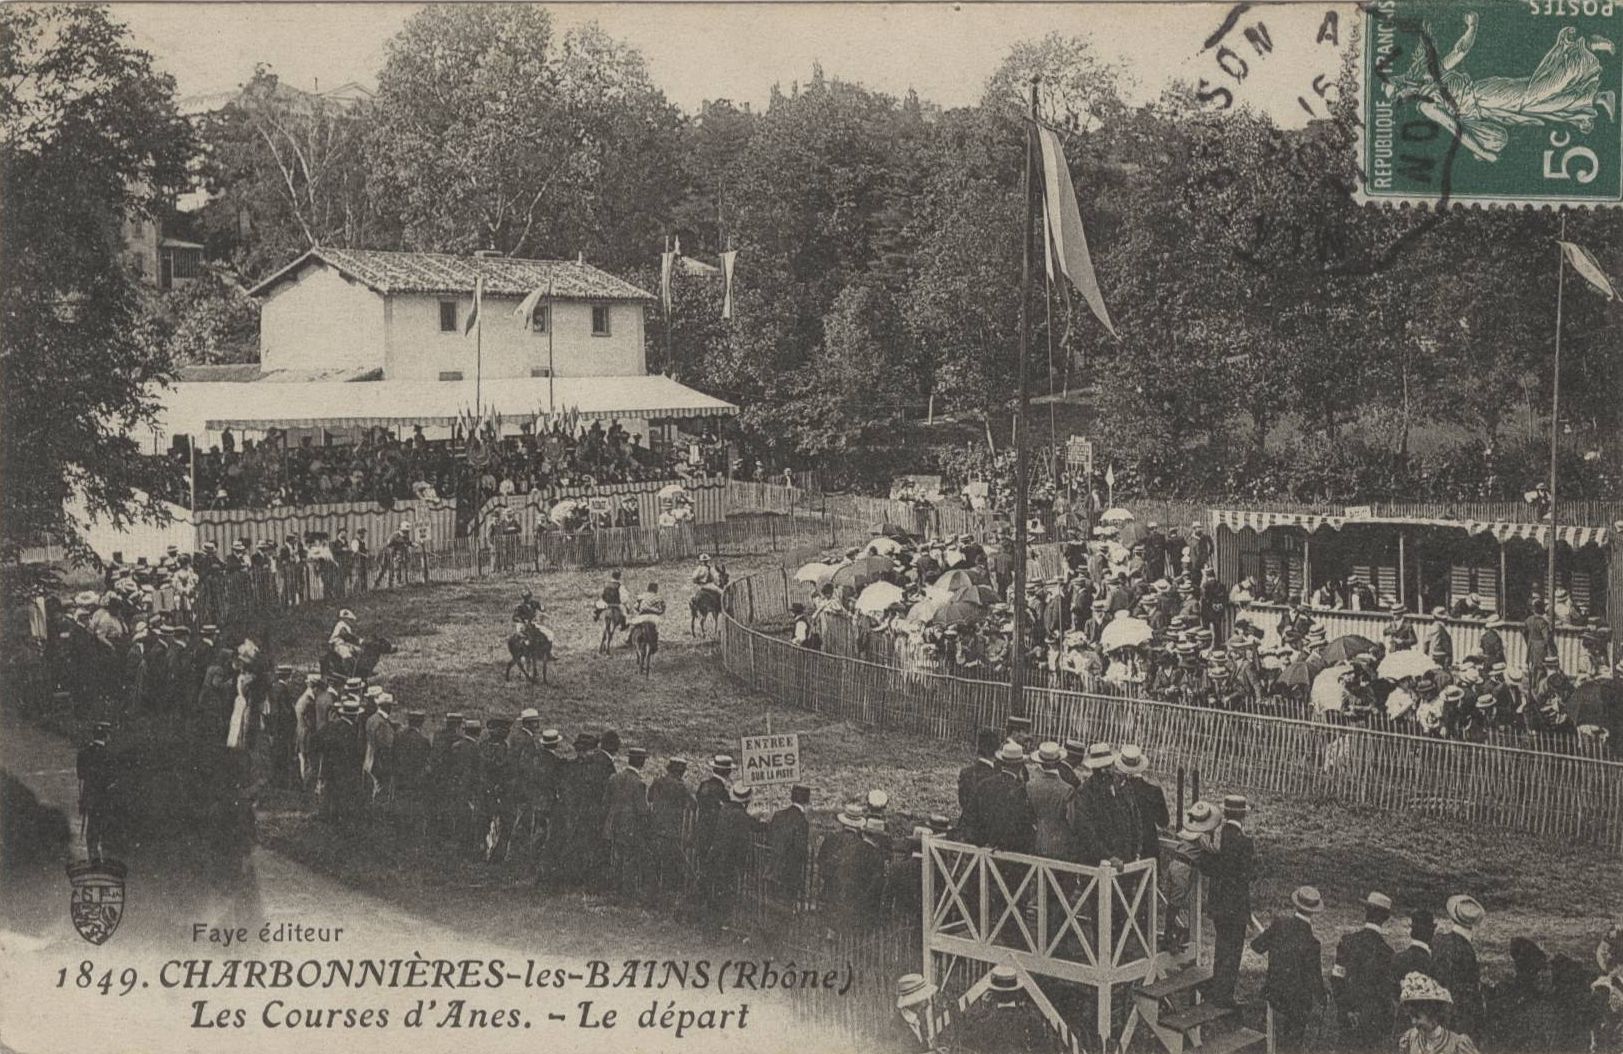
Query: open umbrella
[1342,649]
[815,573]
[1116,516]
[883,546]
[561,512]
[954,585]
[1327,694]
[1410,662]
[878,597]
[1597,703]
[945,614]
[863,570]
[1125,633]
[1297,675]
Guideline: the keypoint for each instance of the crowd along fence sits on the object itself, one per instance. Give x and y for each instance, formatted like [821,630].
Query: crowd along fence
[1560,796]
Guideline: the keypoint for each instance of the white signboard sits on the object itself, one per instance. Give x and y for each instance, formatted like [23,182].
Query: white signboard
[1360,512]
[766,761]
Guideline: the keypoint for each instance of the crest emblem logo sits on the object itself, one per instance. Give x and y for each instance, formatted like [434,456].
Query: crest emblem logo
[97,903]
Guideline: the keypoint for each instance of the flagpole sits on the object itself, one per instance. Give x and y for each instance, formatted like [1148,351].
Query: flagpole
[1555,414]
[1017,666]
[478,352]
[552,368]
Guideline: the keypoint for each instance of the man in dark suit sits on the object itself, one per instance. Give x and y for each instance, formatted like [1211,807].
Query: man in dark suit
[1230,867]
[1295,982]
[1002,806]
[1362,981]
[731,845]
[669,802]
[860,871]
[1536,631]
[708,799]
[1150,802]
[831,853]
[1098,817]
[1454,963]
[1416,956]
[625,823]
[787,834]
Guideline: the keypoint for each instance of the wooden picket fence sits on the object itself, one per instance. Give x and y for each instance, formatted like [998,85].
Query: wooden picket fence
[1559,796]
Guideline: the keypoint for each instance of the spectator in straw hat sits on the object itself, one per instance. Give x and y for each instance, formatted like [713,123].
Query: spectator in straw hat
[1149,802]
[1003,806]
[1194,838]
[1294,987]
[1050,798]
[915,1013]
[1099,819]
[1454,961]
[1427,1004]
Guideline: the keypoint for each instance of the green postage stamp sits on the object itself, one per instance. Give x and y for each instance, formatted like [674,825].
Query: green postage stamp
[1492,102]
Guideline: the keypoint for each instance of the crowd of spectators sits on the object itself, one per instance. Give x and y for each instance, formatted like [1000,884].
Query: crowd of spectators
[383,467]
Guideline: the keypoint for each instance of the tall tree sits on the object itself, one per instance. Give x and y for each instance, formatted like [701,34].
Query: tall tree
[89,138]
[285,170]
[492,133]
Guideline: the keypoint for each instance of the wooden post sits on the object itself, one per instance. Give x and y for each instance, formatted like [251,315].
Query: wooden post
[1504,586]
[1403,585]
[1105,947]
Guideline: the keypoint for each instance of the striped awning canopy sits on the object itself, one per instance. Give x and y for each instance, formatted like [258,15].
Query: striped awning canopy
[193,409]
[1573,536]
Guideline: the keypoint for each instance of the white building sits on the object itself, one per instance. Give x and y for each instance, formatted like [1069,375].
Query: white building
[351,339]
[337,311]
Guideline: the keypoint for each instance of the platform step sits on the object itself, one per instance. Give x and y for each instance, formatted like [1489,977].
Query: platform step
[1194,1017]
[1181,981]
[1229,1042]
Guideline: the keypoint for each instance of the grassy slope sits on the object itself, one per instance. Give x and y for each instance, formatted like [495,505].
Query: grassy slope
[451,639]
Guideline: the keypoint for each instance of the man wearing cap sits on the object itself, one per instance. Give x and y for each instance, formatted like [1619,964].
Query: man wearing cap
[1230,867]
[1454,961]
[343,639]
[1050,798]
[625,823]
[1362,980]
[380,734]
[410,768]
[731,845]
[1148,800]
[1415,956]
[707,803]
[1101,820]
[1002,805]
[464,784]
[1071,769]
[787,835]
[97,782]
[669,802]
[1294,986]
[915,1016]
[339,746]
[304,724]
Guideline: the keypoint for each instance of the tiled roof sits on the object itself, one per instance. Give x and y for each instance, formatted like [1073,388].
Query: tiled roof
[391,273]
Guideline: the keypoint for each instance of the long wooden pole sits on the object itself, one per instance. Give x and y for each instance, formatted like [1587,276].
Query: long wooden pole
[1555,423]
[1017,665]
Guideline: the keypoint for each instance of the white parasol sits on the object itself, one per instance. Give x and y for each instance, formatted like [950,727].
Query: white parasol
[878,597]
[1327,694]
[1125,633]
[1409,662]
[1116,516]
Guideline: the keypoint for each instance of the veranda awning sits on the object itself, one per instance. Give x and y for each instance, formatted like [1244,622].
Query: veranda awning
[1573,536]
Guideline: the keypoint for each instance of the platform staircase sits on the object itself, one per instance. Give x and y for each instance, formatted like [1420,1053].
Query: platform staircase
[1171,1008]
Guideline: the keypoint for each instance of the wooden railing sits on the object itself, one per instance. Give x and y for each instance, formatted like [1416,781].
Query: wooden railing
[1558,796]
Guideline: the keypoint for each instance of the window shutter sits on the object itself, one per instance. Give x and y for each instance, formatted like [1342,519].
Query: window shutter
[1294,573]
[1487,587]
[1459,582]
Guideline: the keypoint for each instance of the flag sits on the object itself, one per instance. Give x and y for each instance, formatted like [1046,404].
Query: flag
[1063,222]
[1585,265]
[478,300]
[525,312]
[727,260]
[667,260]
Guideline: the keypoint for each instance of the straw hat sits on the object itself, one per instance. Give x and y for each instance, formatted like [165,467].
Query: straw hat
[1202,817]
[912,989]
[1418,988]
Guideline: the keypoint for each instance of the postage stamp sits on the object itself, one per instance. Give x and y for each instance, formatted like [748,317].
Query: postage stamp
[1492,102]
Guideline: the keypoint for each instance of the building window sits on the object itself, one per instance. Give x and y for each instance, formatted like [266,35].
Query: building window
[600,320]
[187,263]
[447,316]
[542,319]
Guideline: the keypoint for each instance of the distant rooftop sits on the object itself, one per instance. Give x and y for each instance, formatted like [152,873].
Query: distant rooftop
[393,273]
